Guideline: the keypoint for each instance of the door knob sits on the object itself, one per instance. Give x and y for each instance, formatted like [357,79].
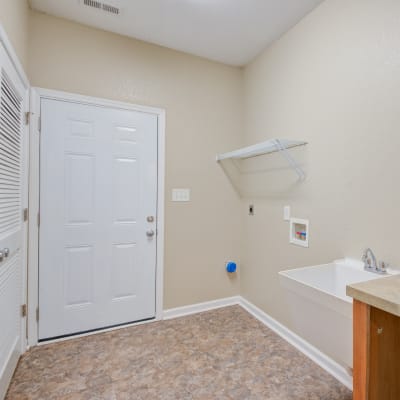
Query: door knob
[1,256]
[150,233]
[6,252]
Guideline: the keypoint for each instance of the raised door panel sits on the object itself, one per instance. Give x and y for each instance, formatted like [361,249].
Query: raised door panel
[125,190]
[78,276]
[124,275]
[79,188]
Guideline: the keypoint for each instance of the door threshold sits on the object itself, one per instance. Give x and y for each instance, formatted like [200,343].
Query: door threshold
[96,331]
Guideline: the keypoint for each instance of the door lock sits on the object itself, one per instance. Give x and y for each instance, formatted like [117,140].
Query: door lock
[150,218]
[150,233]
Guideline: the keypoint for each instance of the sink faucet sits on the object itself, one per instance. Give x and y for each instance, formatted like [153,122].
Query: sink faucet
[370,263]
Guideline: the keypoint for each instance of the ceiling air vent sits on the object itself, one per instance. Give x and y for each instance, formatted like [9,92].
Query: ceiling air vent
[92,3]
[102,6]
[110,9]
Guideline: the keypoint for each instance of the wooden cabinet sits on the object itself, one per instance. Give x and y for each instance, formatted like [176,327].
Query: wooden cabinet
[376,364]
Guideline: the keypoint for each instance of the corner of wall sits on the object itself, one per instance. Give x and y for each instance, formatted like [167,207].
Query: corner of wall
[14,17]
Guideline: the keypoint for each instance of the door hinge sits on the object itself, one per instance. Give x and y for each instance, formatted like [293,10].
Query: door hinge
[39,124]
[37,314]
[27,117]
[26,214]
[23,310]
[38,219]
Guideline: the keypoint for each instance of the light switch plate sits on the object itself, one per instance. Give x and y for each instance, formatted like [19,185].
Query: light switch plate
[180,194]
[286,213]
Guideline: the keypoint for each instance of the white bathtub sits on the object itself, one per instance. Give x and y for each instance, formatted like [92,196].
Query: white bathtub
[321,312]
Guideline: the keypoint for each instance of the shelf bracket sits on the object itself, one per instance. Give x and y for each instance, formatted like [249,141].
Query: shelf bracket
[283,150]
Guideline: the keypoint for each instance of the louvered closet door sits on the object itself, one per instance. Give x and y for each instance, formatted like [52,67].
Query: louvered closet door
[11,128]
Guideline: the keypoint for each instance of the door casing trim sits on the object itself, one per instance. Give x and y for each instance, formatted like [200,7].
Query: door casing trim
[34,191]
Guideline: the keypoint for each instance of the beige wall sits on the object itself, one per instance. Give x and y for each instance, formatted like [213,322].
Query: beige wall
[14,16]
[334,81]
[203,102]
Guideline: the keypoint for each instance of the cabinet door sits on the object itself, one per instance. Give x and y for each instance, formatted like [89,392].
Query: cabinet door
[384,358]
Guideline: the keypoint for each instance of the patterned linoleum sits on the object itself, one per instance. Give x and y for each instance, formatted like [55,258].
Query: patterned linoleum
[221,354]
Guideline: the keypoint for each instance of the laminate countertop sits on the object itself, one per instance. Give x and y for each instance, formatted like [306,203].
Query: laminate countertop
[382,293]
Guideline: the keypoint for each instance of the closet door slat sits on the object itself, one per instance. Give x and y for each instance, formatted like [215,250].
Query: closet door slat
[10,155]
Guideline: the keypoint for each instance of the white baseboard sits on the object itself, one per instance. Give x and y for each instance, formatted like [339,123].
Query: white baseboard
[8,370]
[200,307]
[325,362]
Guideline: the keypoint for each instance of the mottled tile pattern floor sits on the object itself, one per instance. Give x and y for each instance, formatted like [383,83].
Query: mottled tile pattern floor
[221,354]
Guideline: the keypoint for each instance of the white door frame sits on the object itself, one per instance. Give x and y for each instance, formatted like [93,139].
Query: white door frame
[34,191]
[4,40]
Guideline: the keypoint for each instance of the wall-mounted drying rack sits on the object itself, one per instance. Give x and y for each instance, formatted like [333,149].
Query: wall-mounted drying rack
[267,147]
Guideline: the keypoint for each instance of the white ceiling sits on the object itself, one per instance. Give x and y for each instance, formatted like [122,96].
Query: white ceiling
[229,31]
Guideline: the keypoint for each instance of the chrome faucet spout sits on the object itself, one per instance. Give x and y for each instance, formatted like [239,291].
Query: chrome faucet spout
[371,264]
[369,259]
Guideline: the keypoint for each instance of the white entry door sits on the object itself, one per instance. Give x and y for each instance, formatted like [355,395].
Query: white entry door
[98,201]
[12,187]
